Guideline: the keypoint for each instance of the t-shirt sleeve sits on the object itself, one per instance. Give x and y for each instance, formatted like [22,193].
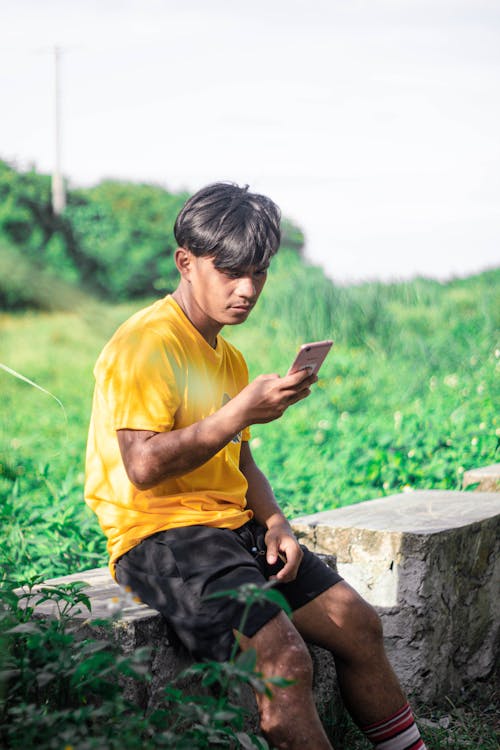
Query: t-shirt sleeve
[138,383]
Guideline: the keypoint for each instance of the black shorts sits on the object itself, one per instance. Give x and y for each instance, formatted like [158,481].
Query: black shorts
[175,571]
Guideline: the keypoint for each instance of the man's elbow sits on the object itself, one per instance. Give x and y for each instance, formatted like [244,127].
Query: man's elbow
[141,475]
[142,486]
[144,475]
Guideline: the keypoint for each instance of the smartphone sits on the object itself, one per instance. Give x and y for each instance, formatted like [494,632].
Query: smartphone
[311,356]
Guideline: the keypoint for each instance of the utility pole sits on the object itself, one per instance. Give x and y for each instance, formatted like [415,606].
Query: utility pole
[58,191]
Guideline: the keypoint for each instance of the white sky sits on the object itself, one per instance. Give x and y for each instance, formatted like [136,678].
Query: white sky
[374,124]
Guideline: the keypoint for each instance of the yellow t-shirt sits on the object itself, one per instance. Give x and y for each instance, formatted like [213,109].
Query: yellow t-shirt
[158,373]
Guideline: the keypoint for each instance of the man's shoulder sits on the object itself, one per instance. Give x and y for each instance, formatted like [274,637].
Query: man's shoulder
[158,318]
[154,326]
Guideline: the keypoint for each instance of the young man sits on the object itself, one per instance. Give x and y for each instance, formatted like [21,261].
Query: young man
[186,510]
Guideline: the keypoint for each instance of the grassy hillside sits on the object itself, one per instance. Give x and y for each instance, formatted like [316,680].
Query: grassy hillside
[406,400]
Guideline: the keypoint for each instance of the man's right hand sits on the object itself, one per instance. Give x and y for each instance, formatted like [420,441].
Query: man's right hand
[268,396]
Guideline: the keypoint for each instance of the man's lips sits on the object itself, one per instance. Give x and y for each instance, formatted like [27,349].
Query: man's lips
[242,307]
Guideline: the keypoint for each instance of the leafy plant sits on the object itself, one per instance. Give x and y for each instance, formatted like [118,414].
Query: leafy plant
[62,688]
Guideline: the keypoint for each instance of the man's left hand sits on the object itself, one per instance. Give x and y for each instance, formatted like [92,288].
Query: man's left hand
[282,544]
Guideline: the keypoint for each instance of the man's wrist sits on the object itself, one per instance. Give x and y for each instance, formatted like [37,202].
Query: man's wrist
[277,519]
[232,416]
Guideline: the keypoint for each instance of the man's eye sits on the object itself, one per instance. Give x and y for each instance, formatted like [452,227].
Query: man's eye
[239,274]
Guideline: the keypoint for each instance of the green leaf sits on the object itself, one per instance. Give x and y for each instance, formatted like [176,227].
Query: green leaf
[250,743]
[275,596]
[247,660]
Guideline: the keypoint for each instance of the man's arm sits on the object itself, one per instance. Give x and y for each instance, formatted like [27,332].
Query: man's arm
[280,539]
[150,457]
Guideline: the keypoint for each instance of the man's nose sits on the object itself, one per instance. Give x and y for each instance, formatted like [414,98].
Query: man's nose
[246,286]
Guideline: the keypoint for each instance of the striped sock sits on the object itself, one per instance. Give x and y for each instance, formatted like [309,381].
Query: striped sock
[398,732]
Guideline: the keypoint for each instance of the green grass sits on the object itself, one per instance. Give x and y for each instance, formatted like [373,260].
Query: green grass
[471,722]
[406,400]
[410,406]
[47,528]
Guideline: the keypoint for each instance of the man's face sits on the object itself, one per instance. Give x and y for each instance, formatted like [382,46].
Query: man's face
[225,297]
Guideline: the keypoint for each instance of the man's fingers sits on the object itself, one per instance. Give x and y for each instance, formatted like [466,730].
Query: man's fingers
[299,396]
[300,377]
[272,551]
[301,389]
[291,554]
[287,573]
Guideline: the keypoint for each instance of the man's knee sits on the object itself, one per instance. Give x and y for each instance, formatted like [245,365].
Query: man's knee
[299,666]
[365,626]
[282,652]
[365,616]
[355,626]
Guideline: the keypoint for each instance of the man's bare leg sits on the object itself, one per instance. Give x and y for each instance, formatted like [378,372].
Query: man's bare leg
[289,719]
[342,622]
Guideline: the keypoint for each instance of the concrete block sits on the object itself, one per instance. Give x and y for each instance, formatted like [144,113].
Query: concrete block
[487,478]
[429,561]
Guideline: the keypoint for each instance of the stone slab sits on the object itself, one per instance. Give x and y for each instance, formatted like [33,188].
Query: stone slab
[108,598]
[429,561]
[417,512]
[487,478]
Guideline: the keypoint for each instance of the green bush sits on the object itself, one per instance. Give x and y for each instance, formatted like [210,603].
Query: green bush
[115,239]
[126,230]
[60,687]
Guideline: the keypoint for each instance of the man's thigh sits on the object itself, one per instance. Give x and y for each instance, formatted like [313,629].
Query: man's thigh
[339,619]
[178,571]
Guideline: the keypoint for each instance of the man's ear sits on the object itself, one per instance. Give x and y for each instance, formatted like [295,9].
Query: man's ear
[183,260]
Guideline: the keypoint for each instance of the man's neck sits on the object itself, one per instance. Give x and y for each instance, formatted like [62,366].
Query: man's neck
[209,329]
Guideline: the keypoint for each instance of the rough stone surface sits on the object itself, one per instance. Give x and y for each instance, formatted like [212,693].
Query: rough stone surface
[487,478]
[429,562]
[136,625]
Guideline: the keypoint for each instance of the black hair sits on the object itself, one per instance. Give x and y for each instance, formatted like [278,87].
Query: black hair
[236,228]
